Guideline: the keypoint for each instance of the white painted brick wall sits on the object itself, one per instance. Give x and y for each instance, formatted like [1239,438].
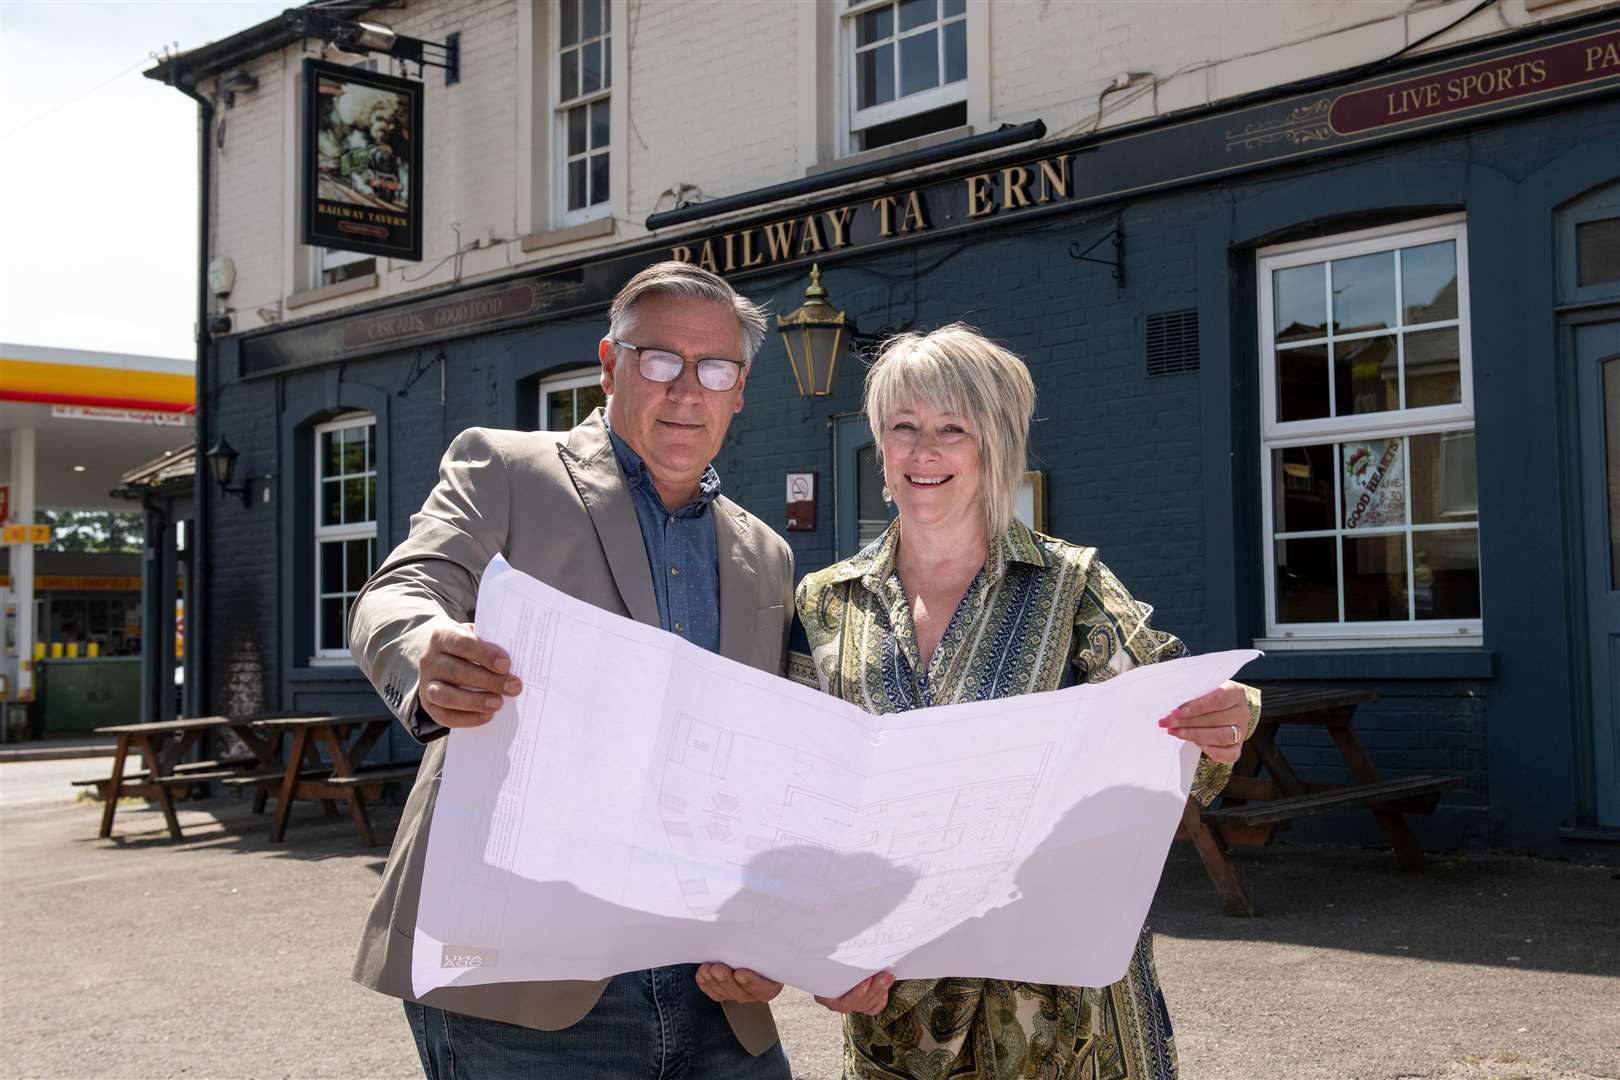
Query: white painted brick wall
[713,88]
[248,189]
[1052,59]
[470,139]
[713,97]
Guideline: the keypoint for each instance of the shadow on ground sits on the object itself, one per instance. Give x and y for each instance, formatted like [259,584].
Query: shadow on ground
[1478,908]
[229,824]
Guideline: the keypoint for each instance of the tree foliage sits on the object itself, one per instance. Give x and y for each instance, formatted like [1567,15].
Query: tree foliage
[93,530]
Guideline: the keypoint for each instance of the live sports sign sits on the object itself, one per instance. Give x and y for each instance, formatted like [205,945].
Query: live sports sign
[1534,70]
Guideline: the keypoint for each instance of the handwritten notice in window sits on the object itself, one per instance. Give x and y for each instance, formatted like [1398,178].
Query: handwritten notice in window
[1374,483]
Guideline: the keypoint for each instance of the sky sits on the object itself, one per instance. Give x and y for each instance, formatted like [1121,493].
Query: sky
[98,172]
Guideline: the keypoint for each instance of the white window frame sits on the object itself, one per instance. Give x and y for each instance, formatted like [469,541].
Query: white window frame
[330,259]
[857,120]
[1276,435]
[363,530]
[571,380]
[558,113]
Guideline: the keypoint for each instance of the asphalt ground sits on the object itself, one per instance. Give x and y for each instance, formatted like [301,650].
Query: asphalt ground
[226,956]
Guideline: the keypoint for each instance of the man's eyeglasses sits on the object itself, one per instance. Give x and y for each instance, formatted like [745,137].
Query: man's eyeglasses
[656,365]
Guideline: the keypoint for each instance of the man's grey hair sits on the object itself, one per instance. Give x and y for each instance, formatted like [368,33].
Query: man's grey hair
[684,279]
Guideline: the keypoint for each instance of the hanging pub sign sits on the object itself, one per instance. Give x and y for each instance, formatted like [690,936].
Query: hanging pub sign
[362,161]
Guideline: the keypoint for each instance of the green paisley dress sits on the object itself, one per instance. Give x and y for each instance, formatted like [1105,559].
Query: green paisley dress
[1040,615]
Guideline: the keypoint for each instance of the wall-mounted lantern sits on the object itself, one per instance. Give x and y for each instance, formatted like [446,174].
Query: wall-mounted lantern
[222,460]
[814,336]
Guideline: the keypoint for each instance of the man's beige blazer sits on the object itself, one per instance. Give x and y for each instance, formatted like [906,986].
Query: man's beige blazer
[556,505]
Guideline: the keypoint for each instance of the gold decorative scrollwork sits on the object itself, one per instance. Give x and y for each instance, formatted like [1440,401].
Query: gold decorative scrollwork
[1308,123]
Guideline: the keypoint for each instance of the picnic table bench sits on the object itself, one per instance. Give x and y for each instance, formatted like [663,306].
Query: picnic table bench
[163,745]
[226,764]
[1253,807]
[343,775]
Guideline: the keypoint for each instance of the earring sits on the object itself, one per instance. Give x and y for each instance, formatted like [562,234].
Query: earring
[887,498]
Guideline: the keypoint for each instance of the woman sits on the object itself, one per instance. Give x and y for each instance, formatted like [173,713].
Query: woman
[959,602]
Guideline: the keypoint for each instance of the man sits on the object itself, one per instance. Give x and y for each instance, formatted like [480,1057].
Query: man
[623,512]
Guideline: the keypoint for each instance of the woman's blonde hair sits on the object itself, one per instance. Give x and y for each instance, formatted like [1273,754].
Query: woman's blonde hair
[957,369]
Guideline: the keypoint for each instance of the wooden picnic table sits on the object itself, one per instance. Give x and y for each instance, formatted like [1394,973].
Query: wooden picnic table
[343,775]
[163,746]
[1254,806]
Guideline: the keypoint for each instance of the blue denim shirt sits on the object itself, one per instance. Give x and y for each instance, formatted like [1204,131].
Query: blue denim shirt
[681,550]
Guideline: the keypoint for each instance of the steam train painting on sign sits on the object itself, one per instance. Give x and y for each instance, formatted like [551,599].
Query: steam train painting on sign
[362,161]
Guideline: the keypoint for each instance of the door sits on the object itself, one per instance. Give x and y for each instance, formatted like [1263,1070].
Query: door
[862,515]
[1597,367]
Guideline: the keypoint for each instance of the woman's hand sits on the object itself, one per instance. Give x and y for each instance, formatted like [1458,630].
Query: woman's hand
[722,983]
[1216,723]
[868,996]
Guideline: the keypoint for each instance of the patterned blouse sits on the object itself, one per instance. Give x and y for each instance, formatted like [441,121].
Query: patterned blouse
[1040,615]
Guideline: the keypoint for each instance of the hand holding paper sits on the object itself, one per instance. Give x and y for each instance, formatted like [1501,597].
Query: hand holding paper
[645,802]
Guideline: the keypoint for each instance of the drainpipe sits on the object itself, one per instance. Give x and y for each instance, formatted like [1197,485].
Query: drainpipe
[201,484]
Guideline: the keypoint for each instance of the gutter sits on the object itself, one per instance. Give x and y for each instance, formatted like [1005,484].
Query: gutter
[202,491]
[268,36]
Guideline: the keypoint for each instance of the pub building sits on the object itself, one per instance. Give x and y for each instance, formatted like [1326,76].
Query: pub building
[1331,370]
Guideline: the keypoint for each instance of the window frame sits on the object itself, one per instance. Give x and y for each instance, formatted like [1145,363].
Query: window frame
[572,379]
[1403,423]
[854,119]
[325,534]
[325,259]
[557,118]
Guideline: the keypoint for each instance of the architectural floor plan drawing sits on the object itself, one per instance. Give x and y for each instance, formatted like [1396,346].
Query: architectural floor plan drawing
[690,808]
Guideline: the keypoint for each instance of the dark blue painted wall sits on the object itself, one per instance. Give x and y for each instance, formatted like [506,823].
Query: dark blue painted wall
[1160,473]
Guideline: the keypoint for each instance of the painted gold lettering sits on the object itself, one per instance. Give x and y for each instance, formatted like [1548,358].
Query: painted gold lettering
[915,220]
[810,236]
[839,220]
[885,208]
[681,253]
[706,258]
[779,239]
[979,196]
[1013,182]
[1054,178]
[750,257]
[731,252]
[1602,56]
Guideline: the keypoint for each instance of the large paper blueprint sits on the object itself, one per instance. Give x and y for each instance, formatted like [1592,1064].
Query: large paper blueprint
[645,802]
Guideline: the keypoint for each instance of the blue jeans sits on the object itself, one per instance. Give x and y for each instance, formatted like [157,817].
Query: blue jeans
[655,1024]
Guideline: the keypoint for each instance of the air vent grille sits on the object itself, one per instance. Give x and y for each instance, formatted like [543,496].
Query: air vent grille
[1172,343]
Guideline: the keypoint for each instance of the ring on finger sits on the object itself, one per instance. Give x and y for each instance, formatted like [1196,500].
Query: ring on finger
[1236,738]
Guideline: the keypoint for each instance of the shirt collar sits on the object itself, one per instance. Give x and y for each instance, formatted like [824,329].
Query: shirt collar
[636,474]
[874,564]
